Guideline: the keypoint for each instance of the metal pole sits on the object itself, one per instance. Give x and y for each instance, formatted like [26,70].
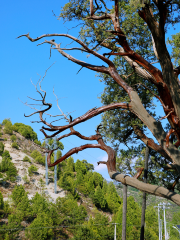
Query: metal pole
[55,168]
[46,164]
[164,222]
[115,231]
[160,229]
[124,212]
[159,223]
[144,194]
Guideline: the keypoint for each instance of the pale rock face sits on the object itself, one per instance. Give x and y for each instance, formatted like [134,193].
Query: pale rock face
[22,167]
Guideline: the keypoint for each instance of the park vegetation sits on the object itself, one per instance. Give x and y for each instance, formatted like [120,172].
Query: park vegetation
[130,38]
[84,188]
[46,219]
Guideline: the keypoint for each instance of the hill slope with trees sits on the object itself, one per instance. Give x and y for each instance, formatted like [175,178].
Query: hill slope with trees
[85,207]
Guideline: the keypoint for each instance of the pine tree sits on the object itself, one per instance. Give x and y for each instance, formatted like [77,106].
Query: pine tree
[112,198]
[1,201]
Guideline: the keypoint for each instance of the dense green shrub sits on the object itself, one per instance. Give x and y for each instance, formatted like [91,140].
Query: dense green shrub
[4,165]
[6,154]
[8,127]
[38,157]
[0,134]
[8,167]
[25,179]
[44,222]
[32,169]
[26,159]
[6,120]
[11,173]
[99,199]
[13,138]
[1,148]
[1,201]
[67,182]
[80,167]
[15,145]
[25,130]
[35,154]
[14,221]
[40,160]
[37,142]
[17,194]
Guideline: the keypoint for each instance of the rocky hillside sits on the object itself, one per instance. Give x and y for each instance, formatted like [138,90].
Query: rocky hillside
[83,199]
[34,183]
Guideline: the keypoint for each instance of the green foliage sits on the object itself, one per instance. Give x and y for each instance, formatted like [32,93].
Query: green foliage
[8,167]
[101,227]
[119,124]
[70,164]
[38,157]
[14,221]
[1,148]
[6,120]
[70,211]
[5,139]
[112,198]
[40,160]
[6,154]
[175,43]
[133,219]
[26,159]
[1,134]
[37,142]
[84,233]
[88,166]
[13,138]
[67,182]
[25,179]
[151,228]
[17,194]
[25,130]
[11,173]
[24,206]
[58,154]
[8,128]
[35,154]
[1,201]
[39,204]
[51,142]
[175,221]
[41,183]
[99,198]
[97,179]
[15,145]
[80,167]
[32,169]
[42,221]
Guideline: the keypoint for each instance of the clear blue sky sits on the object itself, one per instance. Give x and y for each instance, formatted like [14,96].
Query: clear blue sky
[23,60]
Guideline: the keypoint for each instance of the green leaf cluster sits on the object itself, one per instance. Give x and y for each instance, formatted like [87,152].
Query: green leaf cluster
[1,148]
[32,169]
[15,145]
[25,130]
[26,159]
[36,155]
[133,221]
[7,167]
[8,127]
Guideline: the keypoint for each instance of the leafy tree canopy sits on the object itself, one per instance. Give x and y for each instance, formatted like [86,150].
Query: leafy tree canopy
[25,130]
[133,35]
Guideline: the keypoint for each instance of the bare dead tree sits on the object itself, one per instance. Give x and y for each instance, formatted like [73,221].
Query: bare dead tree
[165,81]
